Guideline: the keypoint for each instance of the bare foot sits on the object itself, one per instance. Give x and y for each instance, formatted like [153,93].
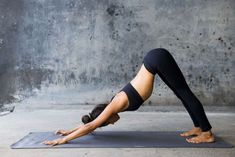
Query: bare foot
[204,137]
[193,131]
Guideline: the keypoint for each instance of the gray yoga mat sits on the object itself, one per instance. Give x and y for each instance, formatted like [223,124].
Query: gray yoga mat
[117,139]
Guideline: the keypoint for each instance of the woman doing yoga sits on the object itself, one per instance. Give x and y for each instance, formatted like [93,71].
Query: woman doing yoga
[157,61]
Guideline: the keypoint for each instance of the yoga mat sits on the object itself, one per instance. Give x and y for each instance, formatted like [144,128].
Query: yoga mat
[117,139]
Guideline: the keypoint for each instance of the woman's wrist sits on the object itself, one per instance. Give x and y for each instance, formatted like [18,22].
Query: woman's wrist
[70,131]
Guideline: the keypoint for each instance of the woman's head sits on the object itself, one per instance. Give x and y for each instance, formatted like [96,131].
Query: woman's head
[96,112]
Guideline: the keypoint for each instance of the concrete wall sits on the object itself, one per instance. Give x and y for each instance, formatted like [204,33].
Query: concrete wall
[84,51]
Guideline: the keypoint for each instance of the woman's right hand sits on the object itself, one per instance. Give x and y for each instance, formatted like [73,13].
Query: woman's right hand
[62,132]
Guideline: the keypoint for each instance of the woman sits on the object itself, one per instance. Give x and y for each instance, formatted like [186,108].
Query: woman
[157,61]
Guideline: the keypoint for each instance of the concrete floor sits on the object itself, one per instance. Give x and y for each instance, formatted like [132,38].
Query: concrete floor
[24,120]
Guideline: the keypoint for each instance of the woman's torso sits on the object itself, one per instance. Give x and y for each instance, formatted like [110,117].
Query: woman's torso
[138,90]
[143,83]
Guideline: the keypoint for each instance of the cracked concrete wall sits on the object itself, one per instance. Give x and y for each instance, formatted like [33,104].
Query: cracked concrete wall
[97,46]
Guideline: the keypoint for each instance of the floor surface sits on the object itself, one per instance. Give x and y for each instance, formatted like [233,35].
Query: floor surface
[24,120]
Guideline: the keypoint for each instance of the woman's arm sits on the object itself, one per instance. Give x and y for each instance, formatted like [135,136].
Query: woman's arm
[89,127]
[66,132]
[112,108]
[83,130]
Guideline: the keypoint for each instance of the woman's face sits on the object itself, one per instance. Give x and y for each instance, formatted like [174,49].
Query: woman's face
[113,118]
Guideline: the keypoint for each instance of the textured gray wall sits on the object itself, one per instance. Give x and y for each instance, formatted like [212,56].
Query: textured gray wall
[86,50]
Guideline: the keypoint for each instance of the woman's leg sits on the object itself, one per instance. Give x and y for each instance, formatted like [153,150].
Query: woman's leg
[160,61]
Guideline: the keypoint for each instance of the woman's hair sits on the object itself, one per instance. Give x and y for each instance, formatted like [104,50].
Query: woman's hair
[94,114]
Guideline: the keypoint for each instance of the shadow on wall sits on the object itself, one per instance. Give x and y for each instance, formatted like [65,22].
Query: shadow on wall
[10,19]
[6,110]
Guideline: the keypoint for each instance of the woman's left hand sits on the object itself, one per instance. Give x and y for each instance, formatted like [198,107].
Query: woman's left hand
[55,142]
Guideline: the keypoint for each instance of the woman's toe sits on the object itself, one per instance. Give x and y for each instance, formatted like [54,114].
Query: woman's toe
[182,134]
[191,140]
[188,140]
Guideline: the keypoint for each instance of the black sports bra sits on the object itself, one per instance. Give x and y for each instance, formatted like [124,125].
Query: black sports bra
[134,98]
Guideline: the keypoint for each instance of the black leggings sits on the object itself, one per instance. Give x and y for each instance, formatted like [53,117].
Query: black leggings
[160,61]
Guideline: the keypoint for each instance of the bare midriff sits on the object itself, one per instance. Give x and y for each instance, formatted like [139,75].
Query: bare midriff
[143,82]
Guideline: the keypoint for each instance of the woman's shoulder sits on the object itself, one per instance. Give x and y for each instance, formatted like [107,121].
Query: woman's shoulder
[119,102]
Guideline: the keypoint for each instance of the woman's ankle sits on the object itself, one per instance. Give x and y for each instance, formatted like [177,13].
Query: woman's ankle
[207,132]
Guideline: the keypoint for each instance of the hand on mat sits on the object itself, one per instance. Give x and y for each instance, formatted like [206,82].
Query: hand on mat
[62,132]
[55,142]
